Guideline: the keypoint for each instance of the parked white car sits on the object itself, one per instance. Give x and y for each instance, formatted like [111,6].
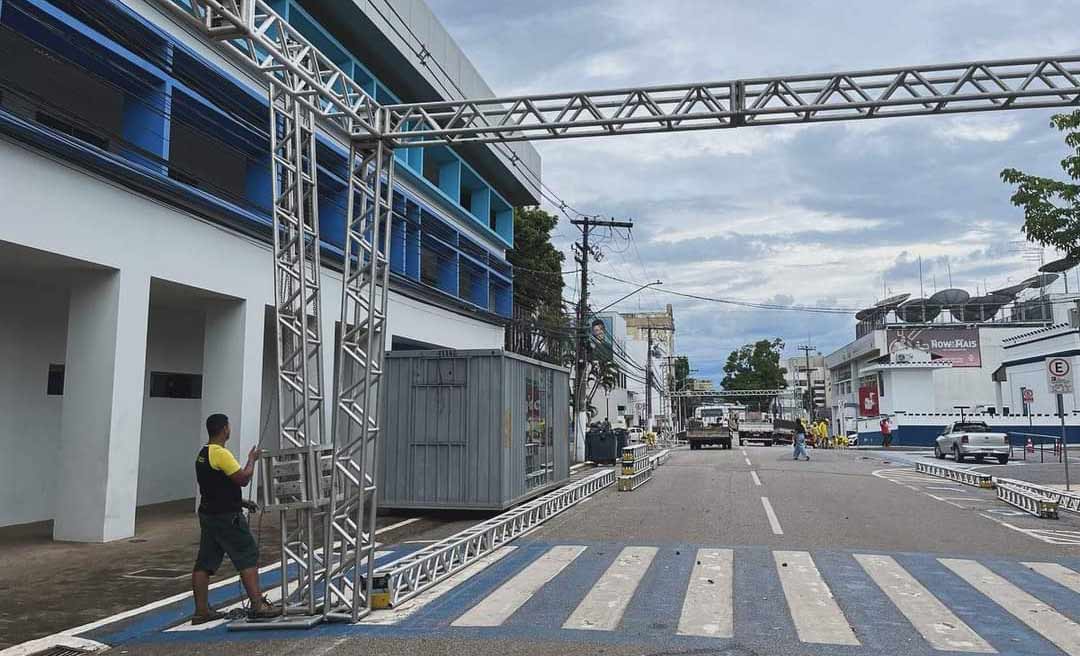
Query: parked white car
[972,438]
[635,435]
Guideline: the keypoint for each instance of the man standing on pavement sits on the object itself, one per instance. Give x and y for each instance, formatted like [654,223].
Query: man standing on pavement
[223,527]
[886,432]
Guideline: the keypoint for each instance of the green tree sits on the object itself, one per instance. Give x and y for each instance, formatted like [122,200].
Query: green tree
[1052,207]
[755,367]
[540,326]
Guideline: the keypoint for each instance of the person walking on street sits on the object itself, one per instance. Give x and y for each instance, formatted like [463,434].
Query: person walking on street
[223,527]
[886,432]
[800,440]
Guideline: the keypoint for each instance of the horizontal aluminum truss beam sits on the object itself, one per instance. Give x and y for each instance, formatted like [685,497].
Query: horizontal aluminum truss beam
[1026,498]
[891,92]
[965,476]
[1065,500]
[729,393]
[409,576]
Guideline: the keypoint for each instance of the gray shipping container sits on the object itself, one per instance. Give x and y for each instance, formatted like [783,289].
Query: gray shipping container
[476,429]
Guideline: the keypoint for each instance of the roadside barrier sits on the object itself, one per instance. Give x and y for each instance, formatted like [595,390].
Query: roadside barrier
[407,577]
[637,467]
[1065,500]
[1026,498]
[965,476]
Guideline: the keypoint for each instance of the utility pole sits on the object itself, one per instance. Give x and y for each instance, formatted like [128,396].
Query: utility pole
[809,399]
[581,360]
[648,378]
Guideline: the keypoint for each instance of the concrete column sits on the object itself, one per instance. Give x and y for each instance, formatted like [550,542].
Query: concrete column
[232,370]
[997,397]
[101,420]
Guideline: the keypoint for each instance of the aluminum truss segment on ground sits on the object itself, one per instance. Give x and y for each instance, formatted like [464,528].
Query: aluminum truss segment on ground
[1065,500]
[361,345]
[409,576]
[1026,498]
[905,91]
[965,476]
[264,40]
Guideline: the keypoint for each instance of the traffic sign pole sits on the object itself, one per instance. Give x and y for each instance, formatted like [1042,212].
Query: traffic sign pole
[1059,379]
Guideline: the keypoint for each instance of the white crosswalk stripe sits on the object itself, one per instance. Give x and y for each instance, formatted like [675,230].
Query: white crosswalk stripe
[1043,619]
[941,628]
[603,607]
[817,616]
[497,607]
[1058,574]
[707,607]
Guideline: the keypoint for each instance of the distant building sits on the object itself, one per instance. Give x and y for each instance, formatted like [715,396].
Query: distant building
[795,374]
[657,329]
[617,404]
[903,368]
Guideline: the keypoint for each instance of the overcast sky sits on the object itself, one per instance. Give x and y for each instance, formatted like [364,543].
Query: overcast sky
[817,214]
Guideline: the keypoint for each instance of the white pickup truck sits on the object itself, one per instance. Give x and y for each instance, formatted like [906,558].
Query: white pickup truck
[756,430]
[972,438]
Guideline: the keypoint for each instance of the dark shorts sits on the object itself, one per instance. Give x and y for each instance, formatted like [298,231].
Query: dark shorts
[222,534]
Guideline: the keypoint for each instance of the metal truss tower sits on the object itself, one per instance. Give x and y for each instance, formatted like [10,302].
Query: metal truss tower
[324,489]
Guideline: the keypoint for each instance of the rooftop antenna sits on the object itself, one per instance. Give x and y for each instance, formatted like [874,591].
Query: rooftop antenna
[948,266]
[921,293]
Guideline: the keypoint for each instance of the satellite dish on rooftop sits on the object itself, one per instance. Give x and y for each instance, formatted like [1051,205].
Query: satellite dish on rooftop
[950,297]
[1041,280]
[868,314]
[918,310]
[980,308]
[1010,291]
[1059,266]
[892,302]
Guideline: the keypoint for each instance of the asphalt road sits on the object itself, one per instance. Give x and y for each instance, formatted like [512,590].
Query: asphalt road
[692,562]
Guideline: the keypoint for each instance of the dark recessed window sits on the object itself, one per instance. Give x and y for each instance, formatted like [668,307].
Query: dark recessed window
[175,386]
[69,128]
[56,380]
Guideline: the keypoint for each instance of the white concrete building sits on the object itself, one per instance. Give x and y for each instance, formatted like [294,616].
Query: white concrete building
[900,367]
[1024,368]
[135,254]
[618,404]
[643,329]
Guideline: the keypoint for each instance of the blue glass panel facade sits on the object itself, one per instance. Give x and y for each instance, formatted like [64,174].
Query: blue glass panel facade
[164,112]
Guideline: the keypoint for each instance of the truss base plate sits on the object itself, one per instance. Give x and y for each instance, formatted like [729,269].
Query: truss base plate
[278,623]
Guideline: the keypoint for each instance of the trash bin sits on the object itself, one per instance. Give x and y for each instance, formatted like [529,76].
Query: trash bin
[602,445]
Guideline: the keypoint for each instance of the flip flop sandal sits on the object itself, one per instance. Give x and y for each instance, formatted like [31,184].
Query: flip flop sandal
[209,617]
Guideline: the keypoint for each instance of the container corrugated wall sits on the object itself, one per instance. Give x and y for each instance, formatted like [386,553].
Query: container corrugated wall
[455,429]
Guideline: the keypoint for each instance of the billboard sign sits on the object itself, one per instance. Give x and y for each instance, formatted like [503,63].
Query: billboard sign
[959,345]
[868,401]
[600,338]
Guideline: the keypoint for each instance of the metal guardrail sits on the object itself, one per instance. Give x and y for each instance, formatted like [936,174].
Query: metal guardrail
[659,459]
[965,476]
[1065,500]
[631,483]
[1026,498]
[405,578]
